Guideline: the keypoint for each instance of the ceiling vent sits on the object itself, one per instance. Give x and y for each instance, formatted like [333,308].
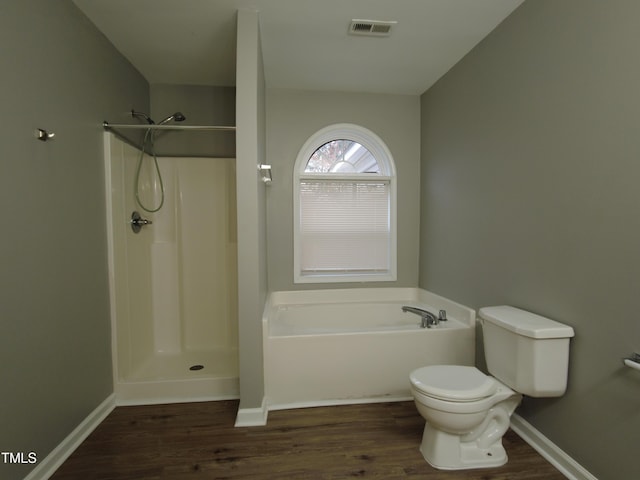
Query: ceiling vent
[373,28]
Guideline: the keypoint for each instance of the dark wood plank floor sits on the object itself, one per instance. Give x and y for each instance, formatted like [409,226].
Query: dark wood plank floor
[198,441]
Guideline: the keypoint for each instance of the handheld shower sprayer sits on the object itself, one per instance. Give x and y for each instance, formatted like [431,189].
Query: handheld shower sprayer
[147,147]
[177,117]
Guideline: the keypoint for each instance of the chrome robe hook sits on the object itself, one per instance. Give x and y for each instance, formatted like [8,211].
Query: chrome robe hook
[43,135]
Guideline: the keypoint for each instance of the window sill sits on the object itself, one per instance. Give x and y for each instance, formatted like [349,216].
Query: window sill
[344,278]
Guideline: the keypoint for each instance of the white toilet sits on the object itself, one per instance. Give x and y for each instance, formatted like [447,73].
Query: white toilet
[468,412]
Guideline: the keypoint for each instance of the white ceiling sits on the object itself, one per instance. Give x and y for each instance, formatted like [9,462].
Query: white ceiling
[305,42]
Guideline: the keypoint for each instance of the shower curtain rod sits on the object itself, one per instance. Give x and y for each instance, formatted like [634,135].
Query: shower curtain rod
[122,126]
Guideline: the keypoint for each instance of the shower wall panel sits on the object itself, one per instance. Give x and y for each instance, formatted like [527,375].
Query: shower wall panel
[131,290]
[195,256]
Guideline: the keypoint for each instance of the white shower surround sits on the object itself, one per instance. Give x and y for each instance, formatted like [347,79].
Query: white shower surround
[326,347]
[173,285]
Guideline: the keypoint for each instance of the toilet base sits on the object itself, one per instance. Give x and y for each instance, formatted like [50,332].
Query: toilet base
[446,451]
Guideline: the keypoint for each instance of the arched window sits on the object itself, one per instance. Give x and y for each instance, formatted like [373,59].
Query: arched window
[344,207]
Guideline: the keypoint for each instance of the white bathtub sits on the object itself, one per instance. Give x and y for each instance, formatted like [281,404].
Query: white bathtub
[326,347]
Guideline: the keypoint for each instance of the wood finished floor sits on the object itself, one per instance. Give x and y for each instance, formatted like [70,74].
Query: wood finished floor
[198,441]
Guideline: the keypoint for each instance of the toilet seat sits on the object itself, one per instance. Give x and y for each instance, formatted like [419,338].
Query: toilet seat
[454,383]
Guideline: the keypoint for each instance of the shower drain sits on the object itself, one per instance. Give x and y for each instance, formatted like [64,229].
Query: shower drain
[196,367]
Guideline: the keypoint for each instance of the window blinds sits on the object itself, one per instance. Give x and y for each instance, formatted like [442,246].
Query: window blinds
[344,226]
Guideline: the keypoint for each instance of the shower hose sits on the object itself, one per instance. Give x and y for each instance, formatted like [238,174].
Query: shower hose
[148,137]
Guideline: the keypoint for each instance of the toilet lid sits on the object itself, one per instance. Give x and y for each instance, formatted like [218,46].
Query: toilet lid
[453,382]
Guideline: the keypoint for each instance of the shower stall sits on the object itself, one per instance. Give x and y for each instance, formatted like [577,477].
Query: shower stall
[173,275]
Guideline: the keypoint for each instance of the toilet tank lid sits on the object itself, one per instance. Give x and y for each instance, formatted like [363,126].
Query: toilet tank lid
[525,323]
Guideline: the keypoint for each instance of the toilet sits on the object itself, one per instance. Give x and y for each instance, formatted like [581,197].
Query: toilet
[468,412]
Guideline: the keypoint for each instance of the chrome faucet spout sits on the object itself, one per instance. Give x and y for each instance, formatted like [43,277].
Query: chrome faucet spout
[427,319]
[416,310]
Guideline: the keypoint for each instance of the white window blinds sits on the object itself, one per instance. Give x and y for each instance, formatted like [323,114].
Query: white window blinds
[344,226]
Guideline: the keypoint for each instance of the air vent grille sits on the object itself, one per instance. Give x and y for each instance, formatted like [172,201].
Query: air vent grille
[375,28]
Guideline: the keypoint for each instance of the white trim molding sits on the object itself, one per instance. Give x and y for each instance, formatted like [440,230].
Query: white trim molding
[47,467]
[252,417]
[333,403]
[549,450]
[387,175]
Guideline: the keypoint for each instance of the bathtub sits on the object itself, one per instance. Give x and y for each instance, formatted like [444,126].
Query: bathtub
[327,347]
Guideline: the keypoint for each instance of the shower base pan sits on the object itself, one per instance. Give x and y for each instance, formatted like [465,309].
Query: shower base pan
[193,376]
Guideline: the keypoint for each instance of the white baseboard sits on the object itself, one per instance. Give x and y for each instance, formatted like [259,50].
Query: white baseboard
[256,417]
[47,467]
[331,403]
[549,450]
[252,417]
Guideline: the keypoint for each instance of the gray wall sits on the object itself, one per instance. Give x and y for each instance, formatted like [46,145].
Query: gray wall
[60,74]
[292,117]
[530,171]
[252,262]
[201,105]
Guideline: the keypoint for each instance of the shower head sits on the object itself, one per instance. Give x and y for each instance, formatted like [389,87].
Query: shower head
[177,117]
[143,115]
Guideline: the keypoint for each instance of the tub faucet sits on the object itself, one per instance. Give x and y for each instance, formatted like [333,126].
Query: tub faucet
[428,319]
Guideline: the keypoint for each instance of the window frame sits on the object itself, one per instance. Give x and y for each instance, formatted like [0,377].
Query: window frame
[382,154]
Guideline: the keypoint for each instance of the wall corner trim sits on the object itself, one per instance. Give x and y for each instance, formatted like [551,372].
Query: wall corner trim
[252,417]
[549,450]
[47,467]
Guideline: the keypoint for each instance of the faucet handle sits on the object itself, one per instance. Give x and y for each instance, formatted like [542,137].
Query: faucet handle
[442,315]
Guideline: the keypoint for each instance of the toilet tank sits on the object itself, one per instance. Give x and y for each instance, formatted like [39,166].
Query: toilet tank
[525,351]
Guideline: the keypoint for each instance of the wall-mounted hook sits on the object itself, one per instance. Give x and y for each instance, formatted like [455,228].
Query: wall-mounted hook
[44,135]
[633,361]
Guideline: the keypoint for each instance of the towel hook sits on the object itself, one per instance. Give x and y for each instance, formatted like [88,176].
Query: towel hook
[43,135]
[633,361]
